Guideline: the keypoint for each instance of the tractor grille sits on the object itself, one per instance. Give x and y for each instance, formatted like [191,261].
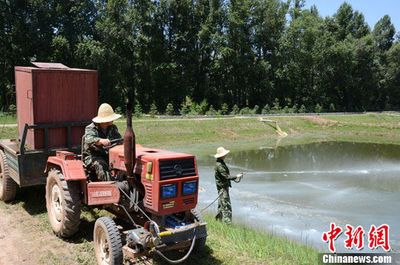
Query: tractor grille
[149,195]
[177,168]
[188,201]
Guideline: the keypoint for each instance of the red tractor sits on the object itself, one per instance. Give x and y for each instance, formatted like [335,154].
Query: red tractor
[153,193]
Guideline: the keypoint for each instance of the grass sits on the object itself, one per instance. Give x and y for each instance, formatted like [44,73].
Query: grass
[255,247]
[225,244]
[181,133]
[7,119]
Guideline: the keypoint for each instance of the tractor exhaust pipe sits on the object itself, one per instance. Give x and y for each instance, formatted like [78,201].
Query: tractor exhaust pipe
[129,143]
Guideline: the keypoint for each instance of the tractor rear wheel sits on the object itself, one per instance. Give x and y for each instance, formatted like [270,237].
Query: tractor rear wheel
[8,187]
[200,242]
[107,242]
[63,204]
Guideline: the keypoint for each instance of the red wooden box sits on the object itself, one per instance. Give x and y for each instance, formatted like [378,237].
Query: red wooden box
[54,94]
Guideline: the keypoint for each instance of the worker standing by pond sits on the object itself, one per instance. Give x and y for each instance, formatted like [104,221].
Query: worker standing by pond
[223,182]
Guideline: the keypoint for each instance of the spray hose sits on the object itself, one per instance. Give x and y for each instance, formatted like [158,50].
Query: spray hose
[184,257]
[219,195]
[205,208]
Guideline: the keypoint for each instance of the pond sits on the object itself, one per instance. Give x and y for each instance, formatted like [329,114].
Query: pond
[298,190]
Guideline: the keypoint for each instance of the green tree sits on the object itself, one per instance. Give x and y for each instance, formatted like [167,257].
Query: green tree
[170,109]
[224,109]
[392,79]
[186,106]
[384,33]
[276,107]
[318,108]
[350,22]
[302,109]
[153,110]
[138,110]
[211,111]
[235,110]
[266,109]
[255,110]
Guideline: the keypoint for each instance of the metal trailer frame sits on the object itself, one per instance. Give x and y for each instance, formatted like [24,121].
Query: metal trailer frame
[27,167]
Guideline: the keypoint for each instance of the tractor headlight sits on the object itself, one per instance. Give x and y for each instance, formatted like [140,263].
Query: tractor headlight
[168,191]
[189,187]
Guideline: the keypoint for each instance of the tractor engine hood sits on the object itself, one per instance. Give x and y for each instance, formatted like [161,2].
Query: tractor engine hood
[170,179]
[143,155]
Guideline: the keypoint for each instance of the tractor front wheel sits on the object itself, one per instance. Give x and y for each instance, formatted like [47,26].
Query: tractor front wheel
[107,242]
[63,204]
[8,187]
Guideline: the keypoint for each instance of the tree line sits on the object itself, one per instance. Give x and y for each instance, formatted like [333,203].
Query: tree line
[208,55]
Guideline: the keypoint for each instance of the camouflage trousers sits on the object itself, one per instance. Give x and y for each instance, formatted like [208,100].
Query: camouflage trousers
[99,166]
[224,206]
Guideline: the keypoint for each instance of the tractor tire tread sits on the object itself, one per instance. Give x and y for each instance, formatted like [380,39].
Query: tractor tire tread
[9,185]
[72,210]
[114,238]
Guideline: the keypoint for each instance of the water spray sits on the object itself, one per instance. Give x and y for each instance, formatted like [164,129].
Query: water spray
[275,126]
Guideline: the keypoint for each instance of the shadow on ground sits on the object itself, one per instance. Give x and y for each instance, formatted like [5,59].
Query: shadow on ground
[32,199]
[203,257]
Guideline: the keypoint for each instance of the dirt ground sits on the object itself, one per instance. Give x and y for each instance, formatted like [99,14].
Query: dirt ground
[16,248]
[20,242]
[26,236]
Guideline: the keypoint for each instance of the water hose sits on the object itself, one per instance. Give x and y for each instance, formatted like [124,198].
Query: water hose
[205,208]
[183,258]
[219,195]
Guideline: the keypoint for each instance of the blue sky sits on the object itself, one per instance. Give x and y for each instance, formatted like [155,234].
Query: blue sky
[373,10]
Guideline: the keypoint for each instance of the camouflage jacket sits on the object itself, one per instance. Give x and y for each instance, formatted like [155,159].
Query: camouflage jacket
[222,175]
[93,133]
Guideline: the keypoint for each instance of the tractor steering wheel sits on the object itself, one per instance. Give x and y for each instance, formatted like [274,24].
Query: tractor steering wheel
[114,142]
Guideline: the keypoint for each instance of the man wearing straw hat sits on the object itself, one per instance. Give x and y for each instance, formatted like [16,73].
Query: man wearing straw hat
[98,135]
[223,182]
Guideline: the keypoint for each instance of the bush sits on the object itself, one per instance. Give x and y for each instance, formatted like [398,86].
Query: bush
[235,110]
[245,110]
[169,109]
[256,109]
[318,108]
[294,108]
[211,111]
[286,109]
[332,107]
[202,107]
[138,110]
[302,109]
[266,109]
[184,110]
[153,110]
[186,106]
[12,109]
[276,107]
[224,109]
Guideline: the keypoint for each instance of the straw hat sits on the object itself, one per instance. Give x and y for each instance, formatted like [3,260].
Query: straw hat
[105,114]
[221,152]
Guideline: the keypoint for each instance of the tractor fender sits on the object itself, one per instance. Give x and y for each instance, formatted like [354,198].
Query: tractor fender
[72,169]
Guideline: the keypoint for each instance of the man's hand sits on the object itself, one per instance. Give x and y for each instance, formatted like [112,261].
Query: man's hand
[104,142]
[239,177]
